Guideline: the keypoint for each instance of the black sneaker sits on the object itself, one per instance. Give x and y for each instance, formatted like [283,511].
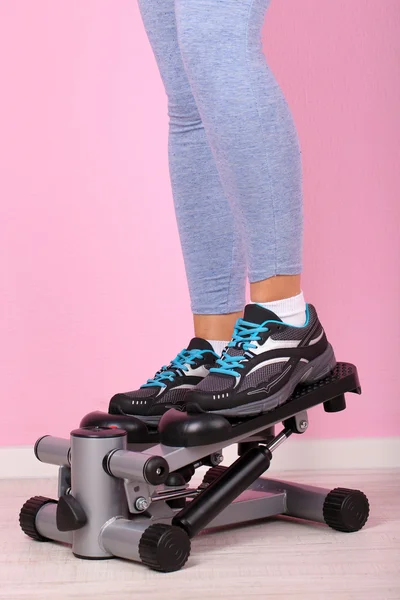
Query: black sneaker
[169,385]
[263,363]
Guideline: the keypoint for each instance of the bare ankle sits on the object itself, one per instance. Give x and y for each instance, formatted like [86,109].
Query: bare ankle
[275,288]
[215,327]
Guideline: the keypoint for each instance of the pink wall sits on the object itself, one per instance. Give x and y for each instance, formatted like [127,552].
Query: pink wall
[86,282]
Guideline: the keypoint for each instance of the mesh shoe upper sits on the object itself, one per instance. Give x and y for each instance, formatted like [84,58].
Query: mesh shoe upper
[170,384]
[262,347]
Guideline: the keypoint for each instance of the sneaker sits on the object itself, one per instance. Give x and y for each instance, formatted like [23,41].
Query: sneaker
[169,385]
[263,363]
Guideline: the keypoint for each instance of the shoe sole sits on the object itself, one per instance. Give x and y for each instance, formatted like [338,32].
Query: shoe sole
[309,373]
[147,420]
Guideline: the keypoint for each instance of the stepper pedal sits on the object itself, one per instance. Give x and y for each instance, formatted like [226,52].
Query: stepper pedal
[196,427]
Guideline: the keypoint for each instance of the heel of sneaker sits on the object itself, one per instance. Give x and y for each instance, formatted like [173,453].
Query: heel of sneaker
[321,366]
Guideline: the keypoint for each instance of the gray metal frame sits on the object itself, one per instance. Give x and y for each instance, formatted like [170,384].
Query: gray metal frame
[120,504]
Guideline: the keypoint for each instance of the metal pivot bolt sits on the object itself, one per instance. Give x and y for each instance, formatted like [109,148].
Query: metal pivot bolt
[303,425]
[212,460]
[141,504]
[216,458]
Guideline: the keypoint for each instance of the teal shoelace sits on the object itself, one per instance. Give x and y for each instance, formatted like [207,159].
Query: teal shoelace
[244,334]
[177,366]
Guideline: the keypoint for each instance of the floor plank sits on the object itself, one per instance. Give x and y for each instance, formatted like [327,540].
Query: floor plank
[282,559]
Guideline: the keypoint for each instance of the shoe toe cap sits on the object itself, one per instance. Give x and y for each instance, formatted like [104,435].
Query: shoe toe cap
[132,405]
[205,400]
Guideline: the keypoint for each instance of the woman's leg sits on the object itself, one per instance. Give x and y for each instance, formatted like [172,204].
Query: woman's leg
[212,247]
[211,244]
[281,342]
[251,133]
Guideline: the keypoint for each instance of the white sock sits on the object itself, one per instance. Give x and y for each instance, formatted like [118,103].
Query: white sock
[291,310]
[218,345]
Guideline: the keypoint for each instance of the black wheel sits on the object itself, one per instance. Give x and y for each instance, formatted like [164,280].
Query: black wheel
[346,510]
[27,516]
[164,547]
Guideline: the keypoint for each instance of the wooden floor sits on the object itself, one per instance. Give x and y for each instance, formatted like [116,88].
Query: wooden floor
[274,559]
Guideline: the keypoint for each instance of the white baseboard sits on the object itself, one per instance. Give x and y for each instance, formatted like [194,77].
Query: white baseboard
[302,454]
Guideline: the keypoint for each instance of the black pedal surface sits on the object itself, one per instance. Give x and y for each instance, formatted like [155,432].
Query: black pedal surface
[197,428]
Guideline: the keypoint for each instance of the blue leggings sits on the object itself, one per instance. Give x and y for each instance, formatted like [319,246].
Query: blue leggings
[234,156]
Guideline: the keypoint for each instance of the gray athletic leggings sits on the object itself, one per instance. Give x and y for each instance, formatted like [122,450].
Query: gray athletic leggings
[234,155]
